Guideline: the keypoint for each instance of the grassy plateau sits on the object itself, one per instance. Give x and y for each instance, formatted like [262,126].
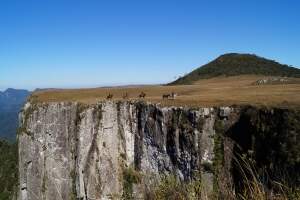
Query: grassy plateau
[217,91]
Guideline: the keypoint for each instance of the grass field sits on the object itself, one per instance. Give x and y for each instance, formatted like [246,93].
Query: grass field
[207,92]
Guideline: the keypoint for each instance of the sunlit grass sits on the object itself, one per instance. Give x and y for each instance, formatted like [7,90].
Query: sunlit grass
[207,92]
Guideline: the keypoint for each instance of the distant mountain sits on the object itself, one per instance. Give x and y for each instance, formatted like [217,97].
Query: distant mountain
[11,101]
[238,64]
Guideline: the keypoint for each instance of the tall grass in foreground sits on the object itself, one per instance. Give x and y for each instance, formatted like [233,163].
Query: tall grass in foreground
[253,187]
[172,189]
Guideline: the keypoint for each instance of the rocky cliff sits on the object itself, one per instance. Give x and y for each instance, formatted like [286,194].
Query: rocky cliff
[115,150]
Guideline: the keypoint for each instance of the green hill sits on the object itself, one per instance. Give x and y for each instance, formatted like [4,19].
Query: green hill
[238,64]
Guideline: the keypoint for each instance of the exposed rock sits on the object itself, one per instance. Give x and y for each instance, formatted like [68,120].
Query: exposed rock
[224,112]
[273,80]
[69,150]
[75,151]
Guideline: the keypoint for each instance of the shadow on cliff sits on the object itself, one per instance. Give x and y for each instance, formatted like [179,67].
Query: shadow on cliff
[266,148]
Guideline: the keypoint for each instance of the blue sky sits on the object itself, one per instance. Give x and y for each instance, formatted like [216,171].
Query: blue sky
[72,43]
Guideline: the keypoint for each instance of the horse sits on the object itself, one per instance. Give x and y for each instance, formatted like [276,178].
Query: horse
[166,96]
[125,96]
[169,96]
[110,96]
[142,95]
[173,95]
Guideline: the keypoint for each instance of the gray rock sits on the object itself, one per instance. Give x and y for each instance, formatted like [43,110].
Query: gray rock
[73,151]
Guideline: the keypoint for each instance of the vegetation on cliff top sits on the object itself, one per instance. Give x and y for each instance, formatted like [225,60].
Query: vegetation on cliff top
[238,64]
[219,91]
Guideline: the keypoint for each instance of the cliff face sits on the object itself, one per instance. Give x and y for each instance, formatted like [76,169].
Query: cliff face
[73,151]
[123,149]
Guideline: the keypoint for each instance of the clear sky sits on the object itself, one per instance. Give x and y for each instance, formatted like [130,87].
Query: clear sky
[72,43]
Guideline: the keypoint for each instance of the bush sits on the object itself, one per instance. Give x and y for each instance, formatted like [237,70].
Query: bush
[170,188]
[130,177]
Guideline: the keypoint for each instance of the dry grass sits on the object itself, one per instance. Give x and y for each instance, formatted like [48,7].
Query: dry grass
[254,189]
[209,92]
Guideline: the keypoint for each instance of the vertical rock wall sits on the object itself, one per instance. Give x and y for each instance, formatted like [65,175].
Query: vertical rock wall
[115,150]
[75,151]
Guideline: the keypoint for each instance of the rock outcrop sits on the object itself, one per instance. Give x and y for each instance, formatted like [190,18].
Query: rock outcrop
[113,150]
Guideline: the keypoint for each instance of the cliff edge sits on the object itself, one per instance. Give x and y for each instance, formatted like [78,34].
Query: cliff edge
[128,149]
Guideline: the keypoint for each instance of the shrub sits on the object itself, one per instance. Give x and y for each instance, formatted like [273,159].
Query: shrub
[130,177]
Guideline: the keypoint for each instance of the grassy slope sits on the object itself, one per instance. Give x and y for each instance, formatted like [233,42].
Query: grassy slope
[207,92]
[225,81]
[238,64]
